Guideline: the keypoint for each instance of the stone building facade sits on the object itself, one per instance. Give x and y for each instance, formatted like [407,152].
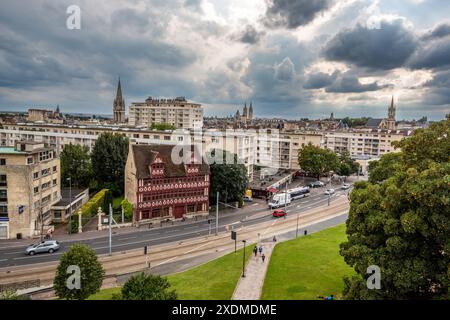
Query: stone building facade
[29,186]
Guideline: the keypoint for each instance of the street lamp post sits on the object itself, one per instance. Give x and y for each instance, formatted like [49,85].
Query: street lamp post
[217,213]
[70,204]
[243,260]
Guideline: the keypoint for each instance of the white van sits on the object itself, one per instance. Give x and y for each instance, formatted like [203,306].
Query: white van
[279,200]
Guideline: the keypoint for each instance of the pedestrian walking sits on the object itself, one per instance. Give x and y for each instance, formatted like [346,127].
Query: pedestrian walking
[255,251]
[263,257]
[260,249]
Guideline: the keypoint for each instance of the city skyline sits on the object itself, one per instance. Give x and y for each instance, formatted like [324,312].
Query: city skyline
[299,59]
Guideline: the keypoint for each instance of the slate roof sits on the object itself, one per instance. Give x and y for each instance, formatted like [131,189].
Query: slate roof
[144,155]
[374,123]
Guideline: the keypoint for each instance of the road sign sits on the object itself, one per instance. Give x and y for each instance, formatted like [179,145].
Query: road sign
[146,250]
[233,235]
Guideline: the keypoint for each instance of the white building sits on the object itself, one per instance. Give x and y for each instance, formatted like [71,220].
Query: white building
[177,112]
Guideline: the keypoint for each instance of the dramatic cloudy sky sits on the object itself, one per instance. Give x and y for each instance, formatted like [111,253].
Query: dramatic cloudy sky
[292,58]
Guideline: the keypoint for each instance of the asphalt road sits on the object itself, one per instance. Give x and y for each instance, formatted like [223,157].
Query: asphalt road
[14,255]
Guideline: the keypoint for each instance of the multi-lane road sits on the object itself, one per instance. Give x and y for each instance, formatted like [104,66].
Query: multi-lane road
[255,213]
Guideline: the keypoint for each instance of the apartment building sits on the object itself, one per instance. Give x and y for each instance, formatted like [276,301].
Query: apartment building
[177,112]
[238,142]
[29,186]
[367,143]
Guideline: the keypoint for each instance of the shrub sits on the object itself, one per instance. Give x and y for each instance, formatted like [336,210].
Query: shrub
[147,287]
[91,273]
[90,208]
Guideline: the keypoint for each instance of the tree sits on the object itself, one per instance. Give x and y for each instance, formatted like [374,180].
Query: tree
[229,179]
[384,168]
[91,273]
[109,157]
[401,222]
[107,200]
[346,165]
[317,161]
[127,209]
[147,287]
[76,164]
[162,126]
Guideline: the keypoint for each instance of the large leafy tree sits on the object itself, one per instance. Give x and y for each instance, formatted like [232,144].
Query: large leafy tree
[384,168]
[76,164]
[228,176]
[91,273]
[109,157]
[317,161]
[147,287]
[400,221]
[346,166]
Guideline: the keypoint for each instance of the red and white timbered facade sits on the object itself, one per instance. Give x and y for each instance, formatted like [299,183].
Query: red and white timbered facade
[165,190]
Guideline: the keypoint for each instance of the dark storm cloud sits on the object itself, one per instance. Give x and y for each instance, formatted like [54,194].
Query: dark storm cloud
[438,92]
[36,48]
[293,13]
[440,31]
[385,48]
[320,80]
[349,84]
[434,54]
[249,35]
[340,83]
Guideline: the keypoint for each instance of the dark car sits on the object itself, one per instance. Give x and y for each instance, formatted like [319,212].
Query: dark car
[316,184]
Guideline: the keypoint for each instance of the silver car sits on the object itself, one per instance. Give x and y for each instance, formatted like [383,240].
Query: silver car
[49,246]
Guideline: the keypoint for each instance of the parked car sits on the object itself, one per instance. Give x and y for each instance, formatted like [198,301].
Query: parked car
[346,186]
[49,246]
[278,213]
[316,184]
[329,192]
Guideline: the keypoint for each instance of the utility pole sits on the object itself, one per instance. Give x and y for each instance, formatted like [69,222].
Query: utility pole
[285,199]
[217,213]
[70,204]
[243,260]
[110,234]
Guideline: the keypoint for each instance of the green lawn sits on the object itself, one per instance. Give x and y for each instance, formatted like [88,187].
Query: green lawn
[214,280]
[307,267]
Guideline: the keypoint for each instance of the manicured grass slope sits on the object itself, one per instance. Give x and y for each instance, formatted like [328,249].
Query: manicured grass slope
[307,267]
[214,280]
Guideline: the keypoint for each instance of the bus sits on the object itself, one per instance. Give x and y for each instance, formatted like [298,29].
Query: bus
[299,193]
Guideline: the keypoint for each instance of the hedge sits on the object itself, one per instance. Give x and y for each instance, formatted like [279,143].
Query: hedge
[90,208]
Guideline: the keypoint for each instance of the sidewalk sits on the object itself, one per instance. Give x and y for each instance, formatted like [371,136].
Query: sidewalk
[250,287]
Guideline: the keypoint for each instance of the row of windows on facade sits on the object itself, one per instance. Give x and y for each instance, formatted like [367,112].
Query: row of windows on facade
[172,195]
[4,198]
[175,180]
[45,172]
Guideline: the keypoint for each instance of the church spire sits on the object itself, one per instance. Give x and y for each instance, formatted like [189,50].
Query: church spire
[119,91]
[391,111]
[119,105]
